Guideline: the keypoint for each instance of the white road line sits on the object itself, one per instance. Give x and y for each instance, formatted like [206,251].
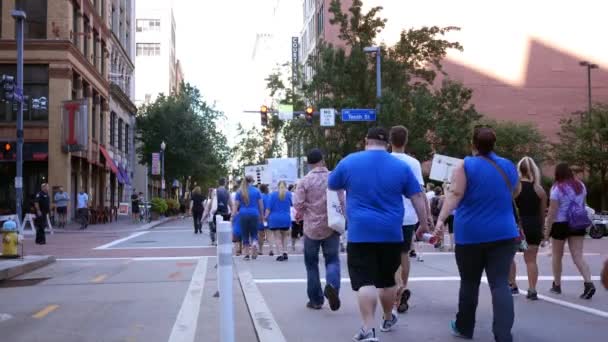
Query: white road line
[170,227]
[578,307]
[5,317]
[116,242]
[135,259]
[173,231]
[266,326]
[186,323]
[414,279]
[164,247]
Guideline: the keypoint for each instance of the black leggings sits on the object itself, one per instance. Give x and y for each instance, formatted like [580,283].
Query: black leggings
[197,216]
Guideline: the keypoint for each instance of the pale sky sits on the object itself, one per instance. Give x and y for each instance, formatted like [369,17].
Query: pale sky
[215,41]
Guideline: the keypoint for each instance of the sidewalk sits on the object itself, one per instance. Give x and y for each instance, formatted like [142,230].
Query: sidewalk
[10,268]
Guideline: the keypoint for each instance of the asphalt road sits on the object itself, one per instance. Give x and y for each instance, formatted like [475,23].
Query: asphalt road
[158,285]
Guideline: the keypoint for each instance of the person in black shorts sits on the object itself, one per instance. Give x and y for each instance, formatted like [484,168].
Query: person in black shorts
[374,212]
[532,204]
[135,207]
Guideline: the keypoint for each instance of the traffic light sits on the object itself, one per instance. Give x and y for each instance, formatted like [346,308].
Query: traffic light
[264,115]
[8,87]
[308,114]
[8,149]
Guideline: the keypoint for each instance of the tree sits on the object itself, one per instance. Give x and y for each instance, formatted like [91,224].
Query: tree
[187,124]
[439,120]
[584,142]
[517,140]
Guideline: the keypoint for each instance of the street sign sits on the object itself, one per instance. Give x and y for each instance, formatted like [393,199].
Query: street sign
[286,112]
[328,117]
[361,114]
[442,167]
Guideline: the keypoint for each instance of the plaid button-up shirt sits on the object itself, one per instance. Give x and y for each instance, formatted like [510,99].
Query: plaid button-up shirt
[311,202]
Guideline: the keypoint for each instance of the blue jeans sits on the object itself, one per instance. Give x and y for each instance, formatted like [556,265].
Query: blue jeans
[331,248]
[495,258]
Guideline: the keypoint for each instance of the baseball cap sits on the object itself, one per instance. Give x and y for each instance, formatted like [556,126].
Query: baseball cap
[377,133]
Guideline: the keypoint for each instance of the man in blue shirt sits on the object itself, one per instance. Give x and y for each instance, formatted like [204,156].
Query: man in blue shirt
[375,182]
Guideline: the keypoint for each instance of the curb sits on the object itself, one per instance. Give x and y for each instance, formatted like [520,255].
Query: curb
[153,224]
[25,266]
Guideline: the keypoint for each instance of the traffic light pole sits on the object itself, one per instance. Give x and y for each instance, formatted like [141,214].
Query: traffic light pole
[19,17]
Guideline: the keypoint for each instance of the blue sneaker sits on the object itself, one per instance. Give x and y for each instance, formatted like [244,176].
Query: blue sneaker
[366,336]
[388,324]
[457,333]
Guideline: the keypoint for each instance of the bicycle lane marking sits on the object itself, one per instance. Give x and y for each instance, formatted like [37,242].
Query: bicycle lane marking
[116,242]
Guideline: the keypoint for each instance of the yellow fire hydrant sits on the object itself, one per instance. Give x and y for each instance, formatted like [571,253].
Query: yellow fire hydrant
[10,240]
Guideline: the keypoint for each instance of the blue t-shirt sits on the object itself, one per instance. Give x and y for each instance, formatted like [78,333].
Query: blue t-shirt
[251,209]
[279,210]
[485,213]
[374,182]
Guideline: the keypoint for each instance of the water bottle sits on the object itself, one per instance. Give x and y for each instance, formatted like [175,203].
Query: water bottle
[430,238]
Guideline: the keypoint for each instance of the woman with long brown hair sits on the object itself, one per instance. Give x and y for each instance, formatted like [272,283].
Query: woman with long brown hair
[567,191]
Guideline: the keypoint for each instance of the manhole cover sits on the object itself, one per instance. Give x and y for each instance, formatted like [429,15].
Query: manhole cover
[145,241]
[21,282]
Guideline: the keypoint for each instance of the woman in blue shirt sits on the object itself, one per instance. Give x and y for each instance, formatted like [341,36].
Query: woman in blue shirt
[485,231]
[279,218]
[249,207]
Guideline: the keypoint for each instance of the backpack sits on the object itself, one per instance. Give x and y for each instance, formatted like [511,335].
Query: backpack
[435,206]
[222,196]
[577,216]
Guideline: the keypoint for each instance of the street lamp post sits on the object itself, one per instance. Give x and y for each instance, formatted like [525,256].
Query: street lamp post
[376,50]
[589,66]
[19,17]
[163,146]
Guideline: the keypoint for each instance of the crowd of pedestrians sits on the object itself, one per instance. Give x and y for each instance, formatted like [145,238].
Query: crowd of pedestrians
[489,209]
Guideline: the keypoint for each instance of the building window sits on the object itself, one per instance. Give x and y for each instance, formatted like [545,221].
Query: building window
[36,87]
[112,129]
[320,22]
[126,139]
[103,58]
[120,129]
[148,49]
[102,128]
[96,57]
[87,32]
[94,115]
[144,25]
[75,25]
[35,23]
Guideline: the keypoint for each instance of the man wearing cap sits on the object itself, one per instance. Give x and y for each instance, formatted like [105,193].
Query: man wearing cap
[375,182]
[311,201]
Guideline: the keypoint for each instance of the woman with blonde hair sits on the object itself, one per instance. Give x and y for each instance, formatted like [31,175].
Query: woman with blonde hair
[531,203]
[279,219]
[196,209]
[249,207]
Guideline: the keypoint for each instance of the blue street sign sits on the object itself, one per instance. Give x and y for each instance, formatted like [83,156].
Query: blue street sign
[361,114]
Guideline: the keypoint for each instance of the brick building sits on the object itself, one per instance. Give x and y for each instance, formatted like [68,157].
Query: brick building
[67,58]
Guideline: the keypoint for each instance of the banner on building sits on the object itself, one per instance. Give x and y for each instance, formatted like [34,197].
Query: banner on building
[75,125]
[295,52]
[155,164]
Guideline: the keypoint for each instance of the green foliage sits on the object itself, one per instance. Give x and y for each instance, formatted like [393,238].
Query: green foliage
[517,140]
[583,141]
[158,205]
[172,206]
[439,120]
[188,125]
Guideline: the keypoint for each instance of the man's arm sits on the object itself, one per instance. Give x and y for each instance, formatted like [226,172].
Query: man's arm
[420,205]
[337,178]
[299,200]
[37,205]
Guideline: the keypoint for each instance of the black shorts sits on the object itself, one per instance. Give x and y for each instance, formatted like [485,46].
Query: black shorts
[62,210]
[408,234]
[284,229]
[450,223]
[297,229]
[561,231]
[533,229]
[373,264]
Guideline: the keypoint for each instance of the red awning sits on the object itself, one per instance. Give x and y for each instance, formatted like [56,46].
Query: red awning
[109,161]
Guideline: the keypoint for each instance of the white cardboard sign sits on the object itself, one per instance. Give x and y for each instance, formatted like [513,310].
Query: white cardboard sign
[442,167]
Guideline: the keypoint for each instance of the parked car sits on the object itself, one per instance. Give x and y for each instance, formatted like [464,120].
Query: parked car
[599,228]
